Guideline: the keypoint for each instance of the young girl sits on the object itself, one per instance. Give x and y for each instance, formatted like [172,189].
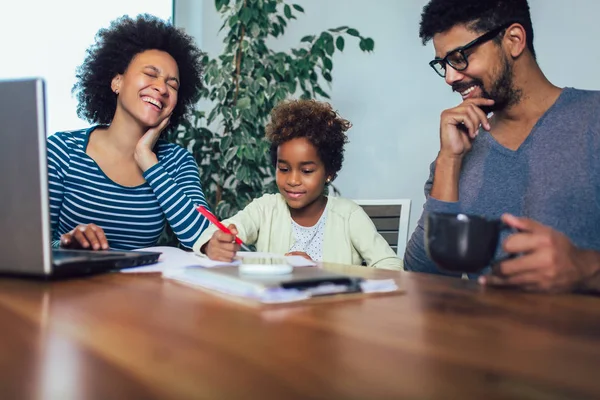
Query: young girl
[116,184]
[307,148]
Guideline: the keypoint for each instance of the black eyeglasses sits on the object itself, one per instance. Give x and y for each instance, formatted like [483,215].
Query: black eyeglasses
[457,58]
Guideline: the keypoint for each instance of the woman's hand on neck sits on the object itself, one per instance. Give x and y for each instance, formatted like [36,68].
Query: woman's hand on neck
[143,155]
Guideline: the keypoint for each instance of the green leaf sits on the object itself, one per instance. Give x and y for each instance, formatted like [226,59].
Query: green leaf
[287,11]
[245,15]
[329,47]
[352,32]
[327,37]
[339,43]
[369,44]
[243,103]
[222,93]
[292,87]
[276,30]
[211,116]
[262,81]
[338,29]
[308,38]
[232,21]
[225,143]
[260,98]
[231,152]
[223,26]
[361,45]
[327,76]
[299,52]
[327,63]
[254,87]
[297,7]
[249,153]
[280,68]
[220,3]
[270,7]
[242,173]
[320,91]
[317,51]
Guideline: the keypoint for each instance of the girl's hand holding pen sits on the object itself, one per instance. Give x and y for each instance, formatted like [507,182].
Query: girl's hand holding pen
[222,246]
[212,218]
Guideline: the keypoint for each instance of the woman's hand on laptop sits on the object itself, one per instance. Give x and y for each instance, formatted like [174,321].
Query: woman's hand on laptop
[89,236]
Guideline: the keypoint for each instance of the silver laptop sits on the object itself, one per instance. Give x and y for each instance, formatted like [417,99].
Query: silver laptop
[25,245]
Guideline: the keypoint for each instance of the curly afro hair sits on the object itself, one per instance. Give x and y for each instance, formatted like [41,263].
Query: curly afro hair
[113,50]
[315,121]
[479,15]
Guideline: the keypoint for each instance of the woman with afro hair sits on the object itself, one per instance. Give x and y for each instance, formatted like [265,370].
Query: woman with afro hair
[307,149]
[116,184]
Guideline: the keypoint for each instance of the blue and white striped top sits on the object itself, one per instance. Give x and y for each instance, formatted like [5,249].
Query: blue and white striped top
[131,217]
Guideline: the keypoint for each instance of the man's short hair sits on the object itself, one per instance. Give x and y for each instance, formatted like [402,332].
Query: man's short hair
[478,15]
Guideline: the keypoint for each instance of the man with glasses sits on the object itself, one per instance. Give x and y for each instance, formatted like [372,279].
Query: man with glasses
[516,147]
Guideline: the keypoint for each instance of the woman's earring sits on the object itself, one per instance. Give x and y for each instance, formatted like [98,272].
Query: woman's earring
[328,180]
[116,91]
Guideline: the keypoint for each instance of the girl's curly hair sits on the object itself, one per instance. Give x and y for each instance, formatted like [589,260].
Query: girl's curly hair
[113,50]
[315,121]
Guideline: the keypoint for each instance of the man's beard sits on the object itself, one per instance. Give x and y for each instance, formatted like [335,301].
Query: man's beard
[502,92]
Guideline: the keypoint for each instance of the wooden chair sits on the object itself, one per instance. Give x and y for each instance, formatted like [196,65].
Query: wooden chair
[391,219]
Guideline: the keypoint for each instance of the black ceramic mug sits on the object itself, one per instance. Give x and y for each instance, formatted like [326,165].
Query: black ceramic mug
[462,242]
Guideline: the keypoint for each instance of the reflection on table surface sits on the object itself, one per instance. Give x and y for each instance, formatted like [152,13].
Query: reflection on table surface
[140,336]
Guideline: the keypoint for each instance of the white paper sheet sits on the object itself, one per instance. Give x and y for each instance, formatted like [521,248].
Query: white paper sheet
[175,258]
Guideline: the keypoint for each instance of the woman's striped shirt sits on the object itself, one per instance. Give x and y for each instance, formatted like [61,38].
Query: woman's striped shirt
[131,217]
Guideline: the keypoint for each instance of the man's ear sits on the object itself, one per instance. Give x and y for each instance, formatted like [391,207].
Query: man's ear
[516,40]
[115,84]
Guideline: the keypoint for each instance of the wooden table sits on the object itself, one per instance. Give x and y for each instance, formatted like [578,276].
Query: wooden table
[120,336]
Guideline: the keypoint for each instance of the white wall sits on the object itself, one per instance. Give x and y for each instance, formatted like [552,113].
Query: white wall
[392,96]
[48,39]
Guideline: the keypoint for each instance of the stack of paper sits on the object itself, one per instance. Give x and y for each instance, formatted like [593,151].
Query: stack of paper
[300,284]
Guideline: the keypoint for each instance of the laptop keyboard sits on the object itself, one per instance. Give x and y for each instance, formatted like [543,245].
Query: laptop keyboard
[64,254]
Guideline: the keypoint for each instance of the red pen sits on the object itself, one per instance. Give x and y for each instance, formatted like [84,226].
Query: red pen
[211,217]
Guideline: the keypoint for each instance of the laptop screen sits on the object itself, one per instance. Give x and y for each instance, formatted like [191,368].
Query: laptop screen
[25,221]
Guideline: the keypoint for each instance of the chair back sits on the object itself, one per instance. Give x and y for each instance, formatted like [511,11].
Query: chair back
[391,219]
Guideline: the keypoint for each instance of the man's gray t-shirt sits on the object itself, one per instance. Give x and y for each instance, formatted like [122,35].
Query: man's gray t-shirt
[553,177]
